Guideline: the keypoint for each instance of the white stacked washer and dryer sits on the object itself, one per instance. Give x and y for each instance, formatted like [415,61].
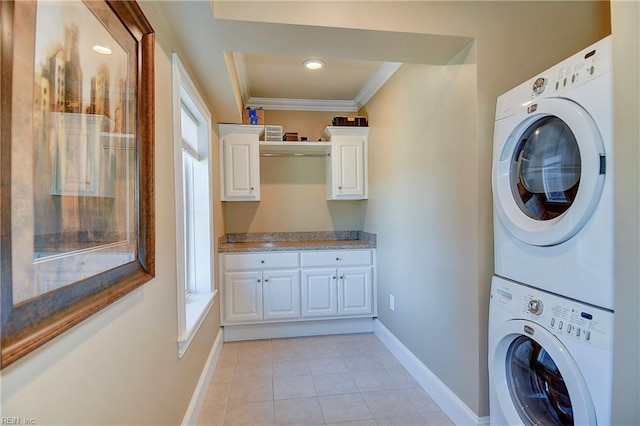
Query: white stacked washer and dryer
[551,306]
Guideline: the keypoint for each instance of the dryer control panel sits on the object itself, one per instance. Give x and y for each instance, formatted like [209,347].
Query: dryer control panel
[569,74]
[565,318]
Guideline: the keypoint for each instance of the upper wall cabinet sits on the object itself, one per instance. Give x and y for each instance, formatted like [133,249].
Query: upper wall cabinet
[240,170]
[347,170]
[346,162]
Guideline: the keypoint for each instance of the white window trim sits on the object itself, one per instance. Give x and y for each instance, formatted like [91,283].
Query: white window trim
[192,310]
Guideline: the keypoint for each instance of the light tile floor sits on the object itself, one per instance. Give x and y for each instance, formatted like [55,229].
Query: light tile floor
[350,379]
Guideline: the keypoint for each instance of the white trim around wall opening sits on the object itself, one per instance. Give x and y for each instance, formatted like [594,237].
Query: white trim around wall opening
[193,195]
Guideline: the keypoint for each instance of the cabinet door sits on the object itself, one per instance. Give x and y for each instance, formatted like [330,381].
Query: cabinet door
[281,293]
[242,296]
[241,168]
[319,293]
[355,291]
[348,174]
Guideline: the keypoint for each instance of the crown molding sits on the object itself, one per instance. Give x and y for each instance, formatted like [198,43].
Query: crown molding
[241,76]
[384,73]
[303,104]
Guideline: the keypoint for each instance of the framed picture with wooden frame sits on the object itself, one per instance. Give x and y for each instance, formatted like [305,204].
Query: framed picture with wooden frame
[76,164]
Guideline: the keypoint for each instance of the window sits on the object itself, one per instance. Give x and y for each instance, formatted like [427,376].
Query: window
[194,231]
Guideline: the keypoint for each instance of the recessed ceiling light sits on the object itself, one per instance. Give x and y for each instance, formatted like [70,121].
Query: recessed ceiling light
[103,50]
[313,64]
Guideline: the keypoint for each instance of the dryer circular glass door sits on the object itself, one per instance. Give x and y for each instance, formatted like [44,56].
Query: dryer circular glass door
[549,172]
[536,379]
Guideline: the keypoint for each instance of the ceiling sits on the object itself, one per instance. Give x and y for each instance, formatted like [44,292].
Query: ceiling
[282,82]
[242,63]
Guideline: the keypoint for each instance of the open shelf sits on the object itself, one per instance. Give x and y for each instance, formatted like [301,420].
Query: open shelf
[304,148]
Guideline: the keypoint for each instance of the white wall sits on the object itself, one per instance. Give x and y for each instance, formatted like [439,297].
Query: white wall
[121,365]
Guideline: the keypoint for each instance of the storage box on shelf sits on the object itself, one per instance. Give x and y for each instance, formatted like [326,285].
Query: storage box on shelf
[290,137]
[272,133]
[357,121]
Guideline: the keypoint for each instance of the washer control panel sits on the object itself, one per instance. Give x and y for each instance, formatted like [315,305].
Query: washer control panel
[565,318]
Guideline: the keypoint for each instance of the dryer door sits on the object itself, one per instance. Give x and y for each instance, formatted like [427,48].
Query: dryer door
[549,172]
[536,379]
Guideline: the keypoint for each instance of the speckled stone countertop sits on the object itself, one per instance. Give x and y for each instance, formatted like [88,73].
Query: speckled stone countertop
[283,241]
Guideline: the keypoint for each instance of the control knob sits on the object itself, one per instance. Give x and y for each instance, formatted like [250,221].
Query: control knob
[539,85]
[535,306]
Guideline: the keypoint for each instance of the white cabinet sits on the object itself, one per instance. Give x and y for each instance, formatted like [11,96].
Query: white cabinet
[346,165]
[333,283]
[243,296]
[347,168]
[297,286]
[355,291]
[281,294]
[262,293]
[319,293]
[240,154]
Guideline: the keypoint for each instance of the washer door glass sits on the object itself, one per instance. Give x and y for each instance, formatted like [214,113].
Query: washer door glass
[536,385]
[545,170]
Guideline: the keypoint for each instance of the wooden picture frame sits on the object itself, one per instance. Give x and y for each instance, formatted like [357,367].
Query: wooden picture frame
[76,164]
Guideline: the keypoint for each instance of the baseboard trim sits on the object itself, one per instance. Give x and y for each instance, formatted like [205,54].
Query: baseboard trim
[200,392]
[452,406]
[297,329]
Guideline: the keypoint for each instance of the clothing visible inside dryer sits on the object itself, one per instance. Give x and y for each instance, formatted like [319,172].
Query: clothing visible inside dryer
[546,169]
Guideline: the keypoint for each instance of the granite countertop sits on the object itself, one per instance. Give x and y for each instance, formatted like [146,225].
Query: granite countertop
[283,241]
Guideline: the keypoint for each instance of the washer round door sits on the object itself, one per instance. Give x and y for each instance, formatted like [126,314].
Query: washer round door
[549,174]
[536,380]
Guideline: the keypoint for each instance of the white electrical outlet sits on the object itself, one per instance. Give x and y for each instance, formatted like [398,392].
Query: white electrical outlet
[392,302]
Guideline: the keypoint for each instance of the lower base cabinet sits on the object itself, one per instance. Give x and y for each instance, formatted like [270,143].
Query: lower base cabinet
[255,296]
[319,293]
[331,292]
[325,285]
[355,291]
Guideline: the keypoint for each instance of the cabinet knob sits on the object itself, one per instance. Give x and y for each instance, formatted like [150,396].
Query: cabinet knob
[334,278]
[340,188]
[337,259]
[262,261]
[342,277]
[252,188]
[259,280]
[266,280]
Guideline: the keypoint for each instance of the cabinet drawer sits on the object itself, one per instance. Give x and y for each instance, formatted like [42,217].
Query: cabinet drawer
[260,261]
[336,258]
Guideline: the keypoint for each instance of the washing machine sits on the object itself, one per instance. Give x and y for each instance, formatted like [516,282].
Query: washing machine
[550,358]
[552,179]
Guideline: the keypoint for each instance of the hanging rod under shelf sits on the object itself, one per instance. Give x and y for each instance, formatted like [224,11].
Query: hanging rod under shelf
[291,154]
